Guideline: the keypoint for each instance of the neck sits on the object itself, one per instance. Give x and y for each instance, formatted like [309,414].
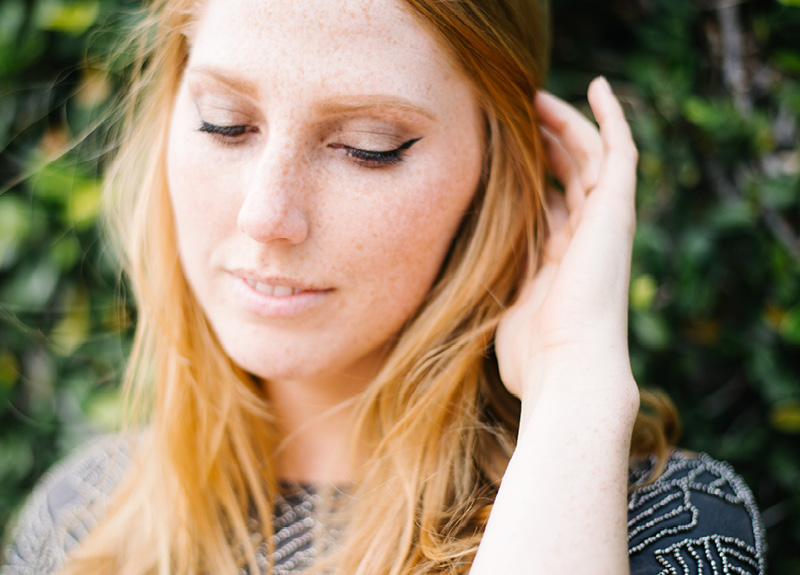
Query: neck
[314,423]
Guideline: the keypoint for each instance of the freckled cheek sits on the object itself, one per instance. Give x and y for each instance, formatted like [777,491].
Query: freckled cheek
[204,193]
[406,239]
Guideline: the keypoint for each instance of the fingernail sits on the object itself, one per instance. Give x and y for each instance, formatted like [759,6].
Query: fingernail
[606,86]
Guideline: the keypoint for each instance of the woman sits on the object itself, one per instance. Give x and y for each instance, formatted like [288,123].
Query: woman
[370,339]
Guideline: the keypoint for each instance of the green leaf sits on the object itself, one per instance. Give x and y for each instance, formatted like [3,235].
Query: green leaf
[704,113]
[778,193]
[31,286]
[56,181]
[650,329]
[65,252]
[12,17]
[16,459]
[789,327]
[14,228]
[732,215]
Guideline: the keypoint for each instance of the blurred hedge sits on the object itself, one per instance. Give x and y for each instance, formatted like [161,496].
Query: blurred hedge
[712,90]
[63,329]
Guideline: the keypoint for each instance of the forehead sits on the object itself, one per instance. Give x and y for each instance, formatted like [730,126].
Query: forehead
[333,45]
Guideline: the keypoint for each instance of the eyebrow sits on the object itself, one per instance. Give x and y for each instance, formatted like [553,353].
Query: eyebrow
[242,86]
[350,104]
[333,105]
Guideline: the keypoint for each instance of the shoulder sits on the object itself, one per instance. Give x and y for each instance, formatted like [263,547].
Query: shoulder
[698,517]
[66,504]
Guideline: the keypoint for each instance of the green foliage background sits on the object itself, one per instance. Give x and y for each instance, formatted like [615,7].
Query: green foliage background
[712,90]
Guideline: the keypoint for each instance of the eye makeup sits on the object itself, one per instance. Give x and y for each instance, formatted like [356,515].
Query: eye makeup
[367,135]
[224,131]
[374,158]
[232,135]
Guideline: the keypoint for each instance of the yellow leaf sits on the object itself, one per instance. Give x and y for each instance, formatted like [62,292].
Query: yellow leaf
[71,17]
[105,410]
[643,292]
[785,416]
[9,369]
[73,329]
[84,205]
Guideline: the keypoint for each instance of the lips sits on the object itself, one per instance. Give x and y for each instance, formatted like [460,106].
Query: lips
[276,297]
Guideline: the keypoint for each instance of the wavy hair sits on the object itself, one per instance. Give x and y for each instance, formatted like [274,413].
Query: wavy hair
[435,429]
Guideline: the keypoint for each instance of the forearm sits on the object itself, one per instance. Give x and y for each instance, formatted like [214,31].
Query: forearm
[562,347]
[561,507]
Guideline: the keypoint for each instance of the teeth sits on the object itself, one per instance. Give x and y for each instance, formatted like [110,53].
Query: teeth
[264,288]
[273,290]
[282,291]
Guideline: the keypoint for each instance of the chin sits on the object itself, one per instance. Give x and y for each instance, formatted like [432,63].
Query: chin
[273,366]
[314,357]
[266,366]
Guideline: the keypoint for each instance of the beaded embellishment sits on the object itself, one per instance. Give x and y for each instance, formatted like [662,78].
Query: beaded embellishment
[674,520]
[698,518]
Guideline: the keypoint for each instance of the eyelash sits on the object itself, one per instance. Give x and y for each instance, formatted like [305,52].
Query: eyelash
[375,159]
[227,135]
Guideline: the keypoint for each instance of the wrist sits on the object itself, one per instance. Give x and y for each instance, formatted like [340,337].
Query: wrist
[604,401]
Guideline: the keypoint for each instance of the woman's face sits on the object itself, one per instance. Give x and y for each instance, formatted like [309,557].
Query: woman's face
[321,157]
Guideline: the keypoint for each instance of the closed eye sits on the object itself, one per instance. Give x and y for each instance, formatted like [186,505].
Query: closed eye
[375,158]
[228,134]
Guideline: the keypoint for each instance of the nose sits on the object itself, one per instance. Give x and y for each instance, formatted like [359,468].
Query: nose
[273,209]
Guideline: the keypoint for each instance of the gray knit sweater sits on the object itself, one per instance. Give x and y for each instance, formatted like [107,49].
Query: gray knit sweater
[698,518]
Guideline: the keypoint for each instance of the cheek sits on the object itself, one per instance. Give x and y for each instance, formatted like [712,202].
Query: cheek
[203,195]
[405,239]
[428,216]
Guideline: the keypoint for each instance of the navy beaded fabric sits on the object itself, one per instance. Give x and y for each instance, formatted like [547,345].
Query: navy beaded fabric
[698,518]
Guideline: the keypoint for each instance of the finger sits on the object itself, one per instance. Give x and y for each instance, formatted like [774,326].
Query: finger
[616,183]
[618,169]
[578,135]
[563,167]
